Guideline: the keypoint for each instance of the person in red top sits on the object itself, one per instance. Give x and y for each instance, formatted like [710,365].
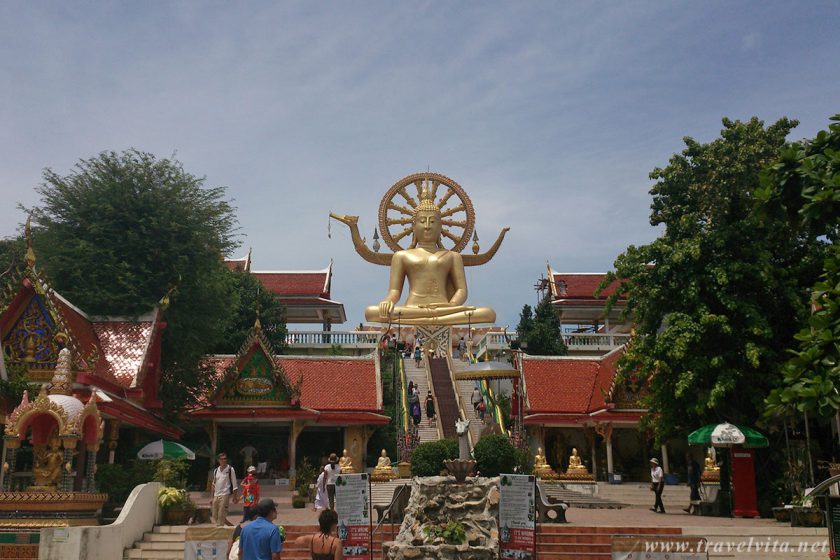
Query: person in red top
[250,486]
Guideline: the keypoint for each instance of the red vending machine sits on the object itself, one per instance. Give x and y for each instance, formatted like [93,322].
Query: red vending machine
[743,482]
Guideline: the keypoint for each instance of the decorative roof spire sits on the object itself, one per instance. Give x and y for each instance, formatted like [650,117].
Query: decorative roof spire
[30,253]
[257,323]
[62,381]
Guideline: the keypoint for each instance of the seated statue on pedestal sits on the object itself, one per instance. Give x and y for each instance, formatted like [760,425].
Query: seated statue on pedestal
[541,467]
[711,471]
[346,463]
[383,470]
[576,469]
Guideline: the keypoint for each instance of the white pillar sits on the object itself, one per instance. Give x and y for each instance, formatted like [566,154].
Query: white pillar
[665,466]
[609,455]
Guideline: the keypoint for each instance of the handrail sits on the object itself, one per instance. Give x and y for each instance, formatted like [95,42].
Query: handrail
[461,410]
[402,488]
[488,396]
[430,383]
[403,392]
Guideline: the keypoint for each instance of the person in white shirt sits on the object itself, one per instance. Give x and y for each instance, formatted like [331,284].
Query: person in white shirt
[657,484]
[224,487]
[331,471]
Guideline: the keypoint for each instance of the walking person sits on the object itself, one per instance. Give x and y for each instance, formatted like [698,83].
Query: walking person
[482,410]
[260,539]
[430,408]
[331,471]
[323,545]
[657,485]
[418,355]
[462,349]
[693,472]
[322,502]
[223,489]
[475,398]
[233,543]
[250,491]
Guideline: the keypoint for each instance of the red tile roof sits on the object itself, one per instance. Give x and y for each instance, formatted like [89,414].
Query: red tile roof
[124,345]
[581,286]
[567,385]
[329,384]
[296,283]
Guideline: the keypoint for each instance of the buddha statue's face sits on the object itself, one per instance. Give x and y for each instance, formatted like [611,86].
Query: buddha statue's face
[427,226]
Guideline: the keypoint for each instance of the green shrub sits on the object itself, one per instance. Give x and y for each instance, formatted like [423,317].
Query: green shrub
[427,458]
[305,474]
[495,454]
[118,481]
[172,472]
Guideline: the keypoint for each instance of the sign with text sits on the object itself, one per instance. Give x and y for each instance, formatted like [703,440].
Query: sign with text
[517,514]
[206,543]
[352,504]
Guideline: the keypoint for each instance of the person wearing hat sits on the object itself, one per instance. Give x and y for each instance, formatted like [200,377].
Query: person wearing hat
[657,485]
[261,539]
[250,487]
[331,471]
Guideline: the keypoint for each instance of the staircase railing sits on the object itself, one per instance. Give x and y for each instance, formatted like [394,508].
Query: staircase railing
[431,385]
[461,409]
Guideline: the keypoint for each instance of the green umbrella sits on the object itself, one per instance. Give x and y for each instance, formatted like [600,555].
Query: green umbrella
[727,435]
[163,449]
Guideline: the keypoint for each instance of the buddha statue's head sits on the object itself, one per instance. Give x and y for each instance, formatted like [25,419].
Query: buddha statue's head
[427,225]
[384,454]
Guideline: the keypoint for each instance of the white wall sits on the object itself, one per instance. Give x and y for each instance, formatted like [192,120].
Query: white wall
[105,542]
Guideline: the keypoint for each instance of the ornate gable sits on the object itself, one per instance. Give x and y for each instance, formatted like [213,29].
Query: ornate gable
[256,378]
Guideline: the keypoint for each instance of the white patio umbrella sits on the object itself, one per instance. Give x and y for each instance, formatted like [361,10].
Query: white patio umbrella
[163,449]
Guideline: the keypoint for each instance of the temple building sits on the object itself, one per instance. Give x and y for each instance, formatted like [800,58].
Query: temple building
[111,364]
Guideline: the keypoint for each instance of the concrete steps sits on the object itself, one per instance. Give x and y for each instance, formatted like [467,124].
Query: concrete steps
[562,542]
[421,380]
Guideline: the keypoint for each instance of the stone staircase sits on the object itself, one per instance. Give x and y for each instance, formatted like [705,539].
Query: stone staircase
[562,542]
[445,395]
[421,380]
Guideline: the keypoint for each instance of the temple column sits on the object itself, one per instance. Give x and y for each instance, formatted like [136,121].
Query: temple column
[67,473]
[665,467]
[113,436]
[297,428]
[605,430]
[591,439]
[10,446]
[90,468]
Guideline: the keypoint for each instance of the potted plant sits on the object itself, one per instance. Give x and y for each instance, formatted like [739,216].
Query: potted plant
[176,505]
[805,514]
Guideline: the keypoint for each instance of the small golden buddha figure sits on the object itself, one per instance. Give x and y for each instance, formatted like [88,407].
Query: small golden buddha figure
[576,469]
[541,467]
[437,284]
[47,469]
[346,463]
[383,470]
[711,471]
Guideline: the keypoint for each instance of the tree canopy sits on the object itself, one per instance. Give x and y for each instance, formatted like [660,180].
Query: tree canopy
[539,331]
[123,229]
[804,187]
[719,294]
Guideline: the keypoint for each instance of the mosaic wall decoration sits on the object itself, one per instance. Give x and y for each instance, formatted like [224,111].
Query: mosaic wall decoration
[30,340]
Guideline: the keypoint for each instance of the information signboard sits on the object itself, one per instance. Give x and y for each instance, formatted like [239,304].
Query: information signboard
[834,521]
[352,503]
[206,543]
[517,515]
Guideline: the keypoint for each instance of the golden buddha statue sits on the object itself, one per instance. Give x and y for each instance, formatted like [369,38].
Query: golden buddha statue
[437,286]
[576,469]
[711,471]
[383,470]
[346,463]
[541,467]
[47,469]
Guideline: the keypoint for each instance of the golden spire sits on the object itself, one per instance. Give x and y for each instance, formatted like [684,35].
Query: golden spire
[257,323]
[27,231]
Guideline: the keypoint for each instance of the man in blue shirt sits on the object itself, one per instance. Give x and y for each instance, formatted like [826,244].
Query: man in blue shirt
[260,539]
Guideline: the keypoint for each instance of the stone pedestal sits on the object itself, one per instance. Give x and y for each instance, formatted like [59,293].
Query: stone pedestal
[436,501]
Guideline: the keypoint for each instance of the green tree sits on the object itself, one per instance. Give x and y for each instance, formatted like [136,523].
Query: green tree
[495,454]
[121,230]
[539,332]
[804,187]
[719,295]
[246,291]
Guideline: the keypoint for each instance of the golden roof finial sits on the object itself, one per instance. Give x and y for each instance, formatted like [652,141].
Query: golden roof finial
[30,253]
[257,323]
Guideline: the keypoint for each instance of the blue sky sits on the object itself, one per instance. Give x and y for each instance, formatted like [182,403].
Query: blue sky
[549,114]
